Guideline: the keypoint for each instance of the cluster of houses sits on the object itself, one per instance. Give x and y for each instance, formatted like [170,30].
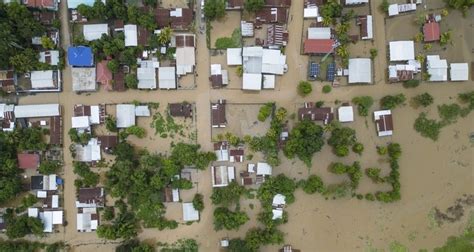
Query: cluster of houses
[152,72]
[48,79]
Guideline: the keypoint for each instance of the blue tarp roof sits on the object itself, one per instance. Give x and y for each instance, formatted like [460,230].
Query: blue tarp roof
[80,56]
[72,4]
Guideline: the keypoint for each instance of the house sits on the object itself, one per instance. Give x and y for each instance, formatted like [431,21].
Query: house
[222,175]
[42,4]
[28,160]
[142,111]
[44,79]
[221,149]
[311,9]
[83,79]
[252,81]
[45,17]
[146,78]
[143,36]
[360,70]
[103,73]
[90,197]
[437,68]
[108,143]
[181,109]
[263,169]
[402,50]
[190,213]
[268,81]
[38,110]
[403,72]
[319,33]
[171,195]
[167,77]
[366,27]
[125,115]
[269,15]
[185,53]
[80,56]
[119,80]
[89,152]
[234,56]
[319,46]
[237,156]
[278,203]
[431,31]
[278,3]
[49,219]
[94,31]
[8,80]
[218,118]
[176,18]
[356,2]
[396,9]
[131,35]
[95,113]
[87,219]
[459,71]
[219,77]
[247,28]
[383,122]
[44,183]
[345,113]
[313,113]
[50,57]
[273,62]
[277,35]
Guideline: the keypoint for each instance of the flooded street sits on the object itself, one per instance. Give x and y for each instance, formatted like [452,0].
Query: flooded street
[433,174]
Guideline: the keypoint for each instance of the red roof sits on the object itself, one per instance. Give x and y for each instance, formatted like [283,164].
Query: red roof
[103,75]
[50,4]
[431,32]
[28,161]
[318,45]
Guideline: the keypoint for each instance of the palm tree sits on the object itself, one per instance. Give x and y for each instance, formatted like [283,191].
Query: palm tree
[165,36]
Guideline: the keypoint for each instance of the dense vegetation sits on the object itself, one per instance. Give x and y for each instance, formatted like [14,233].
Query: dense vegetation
[214,9]
[363,104]
[229,42]
[342,139]
[22,225]
[394,153]
[462,5]
[424,99]
[306,138]
[392,101]
[304,88]
[22,245]
[265,111]
[227,219]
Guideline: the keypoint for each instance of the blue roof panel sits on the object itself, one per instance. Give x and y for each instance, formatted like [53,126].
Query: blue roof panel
[80,56]
[331,74]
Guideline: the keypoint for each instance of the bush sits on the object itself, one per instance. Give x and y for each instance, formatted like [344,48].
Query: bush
[198,202]
[49,167]
[363,104]
[227,195]
[341,151]
[304,88]
[265,111]
[136,131]
[374,174]
[370,197]
[394,150]
[382,150]
[327,89]
[424,100]
[449,113]
[358,148]
[214,9]
[373,53]
[131,81]
[427,127]
[226,219]
[338,168]
[108,214]
[411,83]
[341,139]
[392,101]
[313,184]
[306,138]
[384,6]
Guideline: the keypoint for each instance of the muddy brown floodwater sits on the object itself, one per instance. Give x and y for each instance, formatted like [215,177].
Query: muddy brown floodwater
[433,174]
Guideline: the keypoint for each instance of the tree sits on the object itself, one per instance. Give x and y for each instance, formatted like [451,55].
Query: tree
[306,138]
[363,104]
[110,123]
[47,42]
[394,150]
[358,148]
[19,226]
[113,65]
[374,174]
[238,245]
[341,139]
[227,195]
[226,219]
[427,127]
[214,9]
[304,88]
[254,5]
[392,101]
[467,97]
[24,62]
[280,184]
[449,113]
[49,167]
[327,89]
[384,6]
[265,111]
[462,5]
[313,184]
[131,81]
[373,53]
[198,202]
[165,35]
[257,237]
[411,83]
[108,214]
[445,38]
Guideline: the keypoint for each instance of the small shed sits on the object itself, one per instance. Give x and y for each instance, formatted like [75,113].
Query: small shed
[346,114]
[234,56]
[189,212]
[459,72]
[125,115]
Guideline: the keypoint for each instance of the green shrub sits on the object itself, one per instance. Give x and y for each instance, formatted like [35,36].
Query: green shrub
[363,104]
[358,148]
[381,150]
[313,184]
[304,88]
[327,89]
[411,83]
[392,101]
[424,100]
[198,202]
[265,111]
[427,127]
[373,53]
[449,113]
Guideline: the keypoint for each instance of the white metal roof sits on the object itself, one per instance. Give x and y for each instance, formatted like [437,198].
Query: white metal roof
[42,79]
[252,81]
[268,81]
[349,2]
[88,153]
[131,35]
[80,122]
[311,12]
[142,111]
[277,214]
[225,77]
[51,182]
[125,115]
[33,212]
[402,50]
[146,78]
[345,114]
[234,56]
[220,176]
[94,31]
[273,61]
[279,199]
[459,72]
[437,68]
[57,217]
[189,213]
[185,60]
[41,194]
[53,54]
[222,155]
[252,51]
[175,193]
[55,201]
[83,79]
[5,108]
[246,28]
[360,70]
[47,219]
[393,10]
[319,33]
[167,77]
[216,69]
[95,114]
[264,169]
[39,110]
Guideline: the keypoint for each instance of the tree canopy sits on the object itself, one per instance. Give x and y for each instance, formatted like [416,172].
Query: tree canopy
[229,220]
[306,138]
[214,9]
